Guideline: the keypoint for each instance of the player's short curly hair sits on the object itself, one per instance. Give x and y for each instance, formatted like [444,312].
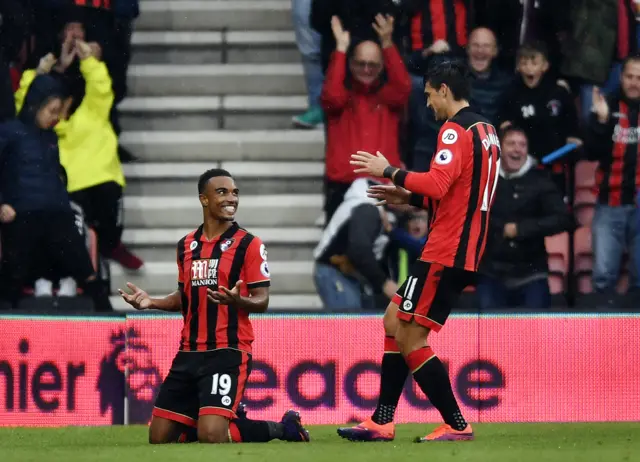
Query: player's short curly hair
[452,73]
[211,173]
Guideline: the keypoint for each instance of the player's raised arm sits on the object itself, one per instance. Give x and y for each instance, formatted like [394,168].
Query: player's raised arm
[445,167]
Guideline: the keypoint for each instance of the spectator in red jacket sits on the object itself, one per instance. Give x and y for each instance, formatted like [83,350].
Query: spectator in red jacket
[363,109]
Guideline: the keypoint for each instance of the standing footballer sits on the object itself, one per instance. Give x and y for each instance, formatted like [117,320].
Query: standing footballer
[458,191]
[222,277]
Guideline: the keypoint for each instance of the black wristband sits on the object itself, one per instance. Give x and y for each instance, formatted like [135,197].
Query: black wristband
[400,178]
[388,172]
[416,200]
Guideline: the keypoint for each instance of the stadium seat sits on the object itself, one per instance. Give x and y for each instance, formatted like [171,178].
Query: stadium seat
[583,250]
[584,206]
[584,283]
[586,174]
[558,252]
[557,283]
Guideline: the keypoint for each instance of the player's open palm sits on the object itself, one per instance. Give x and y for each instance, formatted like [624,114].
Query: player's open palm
[138,298]
[225,296]
[389,194]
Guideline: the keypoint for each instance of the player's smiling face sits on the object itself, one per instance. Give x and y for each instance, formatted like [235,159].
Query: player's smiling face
[436,100]
[221,198]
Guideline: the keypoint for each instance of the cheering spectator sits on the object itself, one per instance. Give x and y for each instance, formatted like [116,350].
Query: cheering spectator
[349,257]
[527,207]
[489,81]
[356,16]
[612,139]
[518,22]
[437,32]
[364,110]
[542,107]
[88,151]
[602,35]
[39,234]
[308,41]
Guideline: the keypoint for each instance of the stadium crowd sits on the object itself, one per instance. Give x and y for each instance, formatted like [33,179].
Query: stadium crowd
[548,74]
[63,66]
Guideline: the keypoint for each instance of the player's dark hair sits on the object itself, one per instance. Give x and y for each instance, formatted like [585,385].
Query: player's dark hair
[529,50]
[454,74]
[632,58]
[212,173]
[512,129]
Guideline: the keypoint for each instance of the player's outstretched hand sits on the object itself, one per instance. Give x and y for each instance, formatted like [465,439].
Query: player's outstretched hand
[389,194]
[225,296]
[369,164]
[138,298]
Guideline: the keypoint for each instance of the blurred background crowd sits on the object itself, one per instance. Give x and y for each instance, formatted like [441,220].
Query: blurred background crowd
[549,74]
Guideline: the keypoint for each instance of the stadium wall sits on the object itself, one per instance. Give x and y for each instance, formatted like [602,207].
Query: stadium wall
[57,371]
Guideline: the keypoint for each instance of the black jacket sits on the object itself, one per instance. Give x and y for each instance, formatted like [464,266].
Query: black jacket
[533,202]
[30,170]
[547,114]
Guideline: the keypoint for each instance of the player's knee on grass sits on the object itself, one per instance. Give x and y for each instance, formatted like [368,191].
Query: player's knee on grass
[163,431]
[411,336]
[213,429]
[390,319]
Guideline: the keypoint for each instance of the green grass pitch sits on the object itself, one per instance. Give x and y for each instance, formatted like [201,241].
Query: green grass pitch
[606,442]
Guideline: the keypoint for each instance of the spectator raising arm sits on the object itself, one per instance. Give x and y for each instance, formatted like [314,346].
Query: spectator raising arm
[334,94]
[99,94]
[599,143]
[395,93]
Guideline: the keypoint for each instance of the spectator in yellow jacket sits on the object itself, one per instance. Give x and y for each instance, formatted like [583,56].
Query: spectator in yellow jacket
[89,149]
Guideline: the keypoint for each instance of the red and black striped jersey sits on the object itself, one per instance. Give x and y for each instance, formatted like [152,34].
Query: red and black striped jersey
[209,264]
[458,190]
[615,145]
[435,20]
[104,4]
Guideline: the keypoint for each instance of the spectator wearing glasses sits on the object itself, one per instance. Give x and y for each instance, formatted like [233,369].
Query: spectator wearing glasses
[363,107]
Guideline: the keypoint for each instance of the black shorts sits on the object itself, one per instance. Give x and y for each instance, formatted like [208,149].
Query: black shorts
[203,383]
[430,293]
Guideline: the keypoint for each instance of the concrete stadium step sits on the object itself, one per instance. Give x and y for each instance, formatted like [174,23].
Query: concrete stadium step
[198,47]
[284,302]
[180,179]
[210,112]
[262,210]
[215,79]
[213,146]
[293,277]
[215,14]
